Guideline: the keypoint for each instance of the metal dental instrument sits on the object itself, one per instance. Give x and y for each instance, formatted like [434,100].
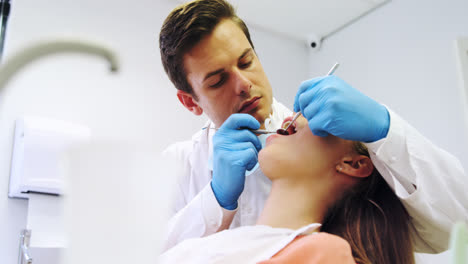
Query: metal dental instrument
[255,131]
[333,69]
[262,131]
[283,131]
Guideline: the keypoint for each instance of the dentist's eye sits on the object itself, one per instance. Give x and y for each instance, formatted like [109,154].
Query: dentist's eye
[245,65]
[220,82]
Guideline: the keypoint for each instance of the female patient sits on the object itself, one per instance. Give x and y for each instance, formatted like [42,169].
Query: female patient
[319,184]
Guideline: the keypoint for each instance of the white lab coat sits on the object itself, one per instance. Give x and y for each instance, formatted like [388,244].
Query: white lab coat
[247,244]
[430,182]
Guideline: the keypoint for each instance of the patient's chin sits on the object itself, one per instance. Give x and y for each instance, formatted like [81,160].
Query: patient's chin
[264,162]
[268,163]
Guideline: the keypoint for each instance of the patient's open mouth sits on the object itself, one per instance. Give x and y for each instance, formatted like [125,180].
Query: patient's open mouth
[291,129]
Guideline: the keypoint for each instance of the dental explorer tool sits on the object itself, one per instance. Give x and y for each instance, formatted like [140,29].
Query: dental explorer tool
[333,69]
[255,131]
[284,131]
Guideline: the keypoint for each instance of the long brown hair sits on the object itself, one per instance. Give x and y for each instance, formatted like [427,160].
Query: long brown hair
[373,221]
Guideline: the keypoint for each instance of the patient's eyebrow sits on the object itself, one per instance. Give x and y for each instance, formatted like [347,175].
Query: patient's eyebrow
[218,71]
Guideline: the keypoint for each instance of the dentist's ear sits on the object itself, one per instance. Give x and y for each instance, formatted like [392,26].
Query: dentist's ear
[355,166]
[189,102]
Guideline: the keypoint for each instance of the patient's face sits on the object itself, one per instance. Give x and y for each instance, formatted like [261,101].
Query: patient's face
[302,154]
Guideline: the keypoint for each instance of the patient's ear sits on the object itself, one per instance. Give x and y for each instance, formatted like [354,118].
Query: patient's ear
[356,166]
[189,102]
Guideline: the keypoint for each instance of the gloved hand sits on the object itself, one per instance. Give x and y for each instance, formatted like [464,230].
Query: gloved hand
[234,151]
[333,107]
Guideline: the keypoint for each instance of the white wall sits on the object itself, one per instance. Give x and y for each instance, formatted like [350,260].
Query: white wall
[137,102]
[284,63]
[403,55]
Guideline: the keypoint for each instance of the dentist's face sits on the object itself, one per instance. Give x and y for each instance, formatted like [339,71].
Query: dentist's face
[226,76]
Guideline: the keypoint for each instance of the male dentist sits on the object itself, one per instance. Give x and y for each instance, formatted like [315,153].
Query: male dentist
[207,53]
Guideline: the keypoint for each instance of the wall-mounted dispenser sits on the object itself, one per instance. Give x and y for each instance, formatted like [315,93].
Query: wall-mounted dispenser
[38,145]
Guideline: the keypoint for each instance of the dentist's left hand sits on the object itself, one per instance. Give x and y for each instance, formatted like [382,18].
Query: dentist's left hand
[334,107]
[235,151]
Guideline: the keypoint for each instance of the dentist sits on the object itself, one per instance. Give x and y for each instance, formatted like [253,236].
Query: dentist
[207,53]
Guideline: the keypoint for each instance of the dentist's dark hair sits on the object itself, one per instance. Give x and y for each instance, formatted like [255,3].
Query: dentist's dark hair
[373,221]
[185,27]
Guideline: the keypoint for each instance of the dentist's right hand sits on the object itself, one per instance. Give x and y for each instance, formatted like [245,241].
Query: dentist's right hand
[235,151]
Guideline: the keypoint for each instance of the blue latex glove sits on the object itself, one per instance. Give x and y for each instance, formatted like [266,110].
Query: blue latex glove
[334,107]
[234,151]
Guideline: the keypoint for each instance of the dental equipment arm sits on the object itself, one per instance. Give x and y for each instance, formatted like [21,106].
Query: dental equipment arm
[37,51]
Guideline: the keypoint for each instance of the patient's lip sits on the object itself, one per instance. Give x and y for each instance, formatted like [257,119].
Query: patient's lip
[270,138]
[287,119]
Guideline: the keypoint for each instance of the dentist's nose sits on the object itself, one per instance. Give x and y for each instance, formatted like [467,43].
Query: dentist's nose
[243,85]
